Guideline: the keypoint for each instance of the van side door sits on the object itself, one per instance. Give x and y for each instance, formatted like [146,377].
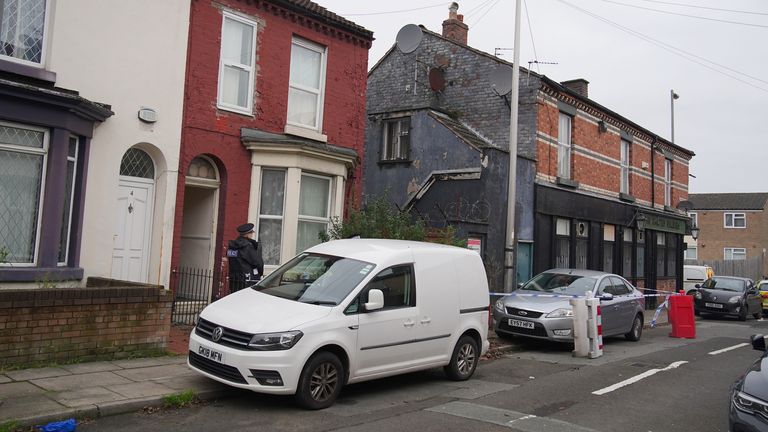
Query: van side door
[386,337]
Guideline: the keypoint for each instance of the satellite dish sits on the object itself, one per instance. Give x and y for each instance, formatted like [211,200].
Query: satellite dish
[686,206]
[436,79]
[409,38]
[501,80]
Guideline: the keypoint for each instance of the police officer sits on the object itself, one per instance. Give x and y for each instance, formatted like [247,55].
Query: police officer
[246,265]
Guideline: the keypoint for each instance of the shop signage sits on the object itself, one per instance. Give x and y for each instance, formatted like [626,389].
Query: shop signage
[661,223]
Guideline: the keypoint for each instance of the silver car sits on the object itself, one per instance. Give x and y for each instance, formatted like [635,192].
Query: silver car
[540,308]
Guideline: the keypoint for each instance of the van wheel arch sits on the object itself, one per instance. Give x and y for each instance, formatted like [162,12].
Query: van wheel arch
[339,352]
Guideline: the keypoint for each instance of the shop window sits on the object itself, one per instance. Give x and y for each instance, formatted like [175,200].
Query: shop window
[640,254]
[582,244]
[563,243]
[661,254]
[626,264]
[609,234]
[671,255]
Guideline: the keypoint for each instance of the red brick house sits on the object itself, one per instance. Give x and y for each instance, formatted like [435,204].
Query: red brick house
[273,126]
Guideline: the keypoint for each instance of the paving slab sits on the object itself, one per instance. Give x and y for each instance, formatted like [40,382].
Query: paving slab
[141,389]
[192,382]
[30,374]
[74,382]
[17,389]
[147,362]
[82,368]
[4,379]
[23,406]
[86,396]
[155,372]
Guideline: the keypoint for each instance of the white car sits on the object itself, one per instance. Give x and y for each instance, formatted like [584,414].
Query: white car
[348,311]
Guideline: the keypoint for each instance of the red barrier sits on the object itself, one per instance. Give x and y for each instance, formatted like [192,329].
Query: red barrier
[681,316]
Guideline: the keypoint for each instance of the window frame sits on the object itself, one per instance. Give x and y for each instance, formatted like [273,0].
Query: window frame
[44,152]
[733,215]
[565,148]
[281,217]
[43,47]
[626,154]
[248,110]
[732,250]
[74,160]
[667,182]
[315,219]
[323,51]
[368,286]
[399,155]
[695,252]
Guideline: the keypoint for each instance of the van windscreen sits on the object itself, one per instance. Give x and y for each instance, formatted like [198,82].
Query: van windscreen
[316,279]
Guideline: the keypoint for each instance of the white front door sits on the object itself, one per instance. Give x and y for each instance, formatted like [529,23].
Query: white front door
[130,253]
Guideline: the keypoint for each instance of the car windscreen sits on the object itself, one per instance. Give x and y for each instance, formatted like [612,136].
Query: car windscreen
[314,278]
[723,284]
[560,283]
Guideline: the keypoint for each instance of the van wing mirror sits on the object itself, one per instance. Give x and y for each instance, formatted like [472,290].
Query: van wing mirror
[758,342]
[375,300]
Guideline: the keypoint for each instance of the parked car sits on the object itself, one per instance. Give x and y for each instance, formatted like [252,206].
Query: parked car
[728,295]
[749,394]
[347,311]
[551,317]
[695,275]
[762,287]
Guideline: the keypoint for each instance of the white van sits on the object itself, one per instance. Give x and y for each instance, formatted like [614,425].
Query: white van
[695,275]
[347,311]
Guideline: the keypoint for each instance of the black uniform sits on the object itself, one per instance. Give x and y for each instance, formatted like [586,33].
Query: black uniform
[246,265]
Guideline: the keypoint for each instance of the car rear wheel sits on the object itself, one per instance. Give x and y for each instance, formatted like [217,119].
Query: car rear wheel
[320,382]
[463,360]
[637,329]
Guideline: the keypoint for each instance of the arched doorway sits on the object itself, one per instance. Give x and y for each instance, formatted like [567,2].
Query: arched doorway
[135,201]
[198,232]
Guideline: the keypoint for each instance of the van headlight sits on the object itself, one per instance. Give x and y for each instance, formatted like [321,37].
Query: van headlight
[734,299]
[499,305]
[560,313]
[275,341]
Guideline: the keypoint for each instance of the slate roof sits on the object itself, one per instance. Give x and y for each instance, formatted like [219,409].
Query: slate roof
[324,15]
[464,132]
[729,201]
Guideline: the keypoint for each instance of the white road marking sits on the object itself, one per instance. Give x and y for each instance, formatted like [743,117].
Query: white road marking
[728,349]
[637,378]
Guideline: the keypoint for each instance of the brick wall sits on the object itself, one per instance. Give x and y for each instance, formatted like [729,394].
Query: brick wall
[714,237]
[215,133]
[105,320]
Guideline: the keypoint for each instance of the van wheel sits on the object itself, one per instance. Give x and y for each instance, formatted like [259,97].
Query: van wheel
[637,329]
[320,381]
[463,360]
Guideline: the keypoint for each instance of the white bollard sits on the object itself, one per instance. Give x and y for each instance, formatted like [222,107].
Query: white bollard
[580,332]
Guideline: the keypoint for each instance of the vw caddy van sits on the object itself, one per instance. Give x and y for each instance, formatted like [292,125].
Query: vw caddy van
[348,311]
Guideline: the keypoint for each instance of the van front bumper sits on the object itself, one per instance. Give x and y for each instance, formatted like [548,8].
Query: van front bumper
[273,372]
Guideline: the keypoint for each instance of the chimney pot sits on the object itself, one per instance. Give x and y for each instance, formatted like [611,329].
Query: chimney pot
[454,27]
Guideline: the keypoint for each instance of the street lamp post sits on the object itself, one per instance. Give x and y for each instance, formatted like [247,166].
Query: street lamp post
[672,97]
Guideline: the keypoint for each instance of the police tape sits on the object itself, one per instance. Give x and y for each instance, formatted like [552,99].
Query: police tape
[658,311]
[514,294]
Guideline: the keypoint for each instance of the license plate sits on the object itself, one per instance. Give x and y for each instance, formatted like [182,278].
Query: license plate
[713,305]
[521,323]
[210,354]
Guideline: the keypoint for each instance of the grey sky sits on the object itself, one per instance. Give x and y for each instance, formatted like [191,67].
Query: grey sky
[723,120]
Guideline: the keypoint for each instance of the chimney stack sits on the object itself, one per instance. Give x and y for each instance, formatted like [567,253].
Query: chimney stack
[454,27]
[579,85]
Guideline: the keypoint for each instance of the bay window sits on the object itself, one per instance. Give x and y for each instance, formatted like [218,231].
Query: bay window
[271,214]
[314,200]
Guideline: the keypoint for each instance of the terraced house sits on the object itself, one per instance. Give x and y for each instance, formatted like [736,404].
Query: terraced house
[595,189]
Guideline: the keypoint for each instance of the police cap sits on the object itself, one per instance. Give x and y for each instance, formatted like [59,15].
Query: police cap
[245,228]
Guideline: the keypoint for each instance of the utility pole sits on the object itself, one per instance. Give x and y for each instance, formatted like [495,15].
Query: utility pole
[510,266]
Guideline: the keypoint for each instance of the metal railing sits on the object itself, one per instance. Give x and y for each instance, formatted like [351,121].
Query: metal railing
[193,289]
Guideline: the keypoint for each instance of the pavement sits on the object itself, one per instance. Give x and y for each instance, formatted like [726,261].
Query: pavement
[35,397]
